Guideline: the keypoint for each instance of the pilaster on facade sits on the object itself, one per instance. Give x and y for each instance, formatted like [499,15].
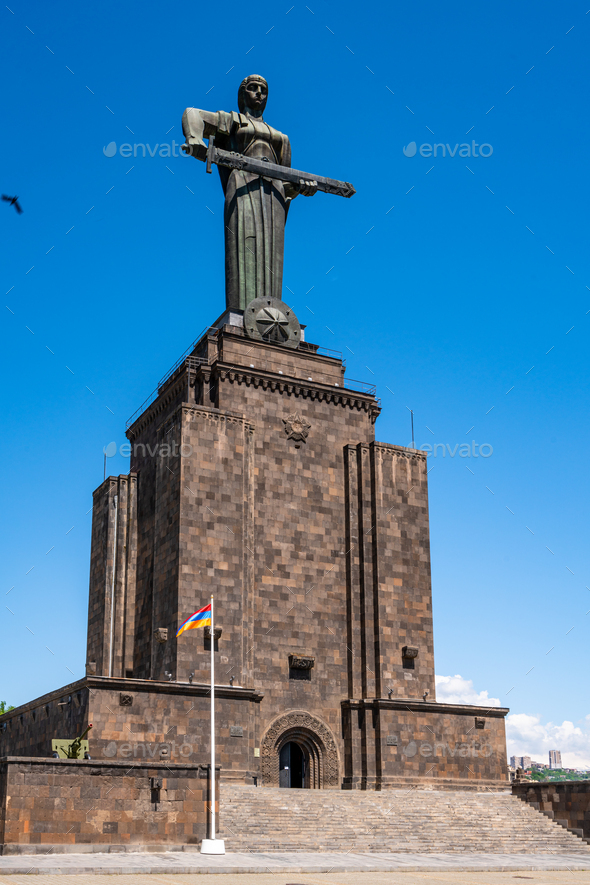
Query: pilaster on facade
[111,611]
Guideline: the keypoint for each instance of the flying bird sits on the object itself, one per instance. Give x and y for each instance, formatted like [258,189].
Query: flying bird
[13,202]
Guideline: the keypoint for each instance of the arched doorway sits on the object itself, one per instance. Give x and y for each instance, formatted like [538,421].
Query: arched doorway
[298,750]
[293,766]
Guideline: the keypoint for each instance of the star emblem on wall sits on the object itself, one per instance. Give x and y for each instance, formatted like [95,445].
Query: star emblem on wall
[272,324]
[296,427]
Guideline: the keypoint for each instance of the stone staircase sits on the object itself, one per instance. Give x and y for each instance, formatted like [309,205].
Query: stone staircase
[415,821]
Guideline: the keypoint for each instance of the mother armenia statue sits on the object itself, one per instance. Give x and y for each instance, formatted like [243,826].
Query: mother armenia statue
[253,161]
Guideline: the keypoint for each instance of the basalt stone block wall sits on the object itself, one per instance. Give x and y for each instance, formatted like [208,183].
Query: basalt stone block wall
[251,514]
[567,803]
[29,729]
[390,743]
[388,572]
[265,519]
[74,806]
[379,743]
[137,721]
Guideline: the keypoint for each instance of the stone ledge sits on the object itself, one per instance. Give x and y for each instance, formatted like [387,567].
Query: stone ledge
[13,849]
[106,763]
[414,705]
[119,683]
[424,784]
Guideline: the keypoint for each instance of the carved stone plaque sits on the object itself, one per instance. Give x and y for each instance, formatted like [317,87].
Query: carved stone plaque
[479,722]
[409,651]
[161,634]
[125,700]
[298,662]
[391,740]
[236,731]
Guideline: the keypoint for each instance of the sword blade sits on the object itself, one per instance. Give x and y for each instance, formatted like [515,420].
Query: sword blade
[278,173]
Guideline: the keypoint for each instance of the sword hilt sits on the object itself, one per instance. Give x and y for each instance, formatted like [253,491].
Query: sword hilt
[210,153]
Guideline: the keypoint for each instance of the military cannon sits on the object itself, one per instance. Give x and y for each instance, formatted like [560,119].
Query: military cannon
[65,749]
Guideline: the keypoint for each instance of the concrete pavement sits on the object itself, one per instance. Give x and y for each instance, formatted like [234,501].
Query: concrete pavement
[296,867]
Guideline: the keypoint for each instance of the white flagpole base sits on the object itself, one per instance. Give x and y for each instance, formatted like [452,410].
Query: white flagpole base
[213,846]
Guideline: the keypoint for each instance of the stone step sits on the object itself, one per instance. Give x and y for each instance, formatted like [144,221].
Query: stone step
[270,819]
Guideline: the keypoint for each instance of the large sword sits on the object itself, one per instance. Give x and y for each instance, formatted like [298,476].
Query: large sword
[267,169]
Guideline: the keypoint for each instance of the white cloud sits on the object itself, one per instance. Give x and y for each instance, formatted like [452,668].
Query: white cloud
[456,690]
[527,736]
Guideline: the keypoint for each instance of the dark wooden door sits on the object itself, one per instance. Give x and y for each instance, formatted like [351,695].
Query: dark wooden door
[292,766]
[285,766]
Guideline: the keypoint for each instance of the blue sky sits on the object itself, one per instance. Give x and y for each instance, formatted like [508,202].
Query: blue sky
[447,300]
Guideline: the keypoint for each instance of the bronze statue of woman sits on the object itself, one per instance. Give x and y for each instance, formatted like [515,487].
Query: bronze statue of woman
[255,207]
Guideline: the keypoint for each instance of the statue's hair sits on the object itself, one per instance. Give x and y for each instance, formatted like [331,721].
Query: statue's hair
[242,90]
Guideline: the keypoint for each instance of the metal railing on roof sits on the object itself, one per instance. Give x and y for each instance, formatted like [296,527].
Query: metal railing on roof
[360,386]
[181,359]
[323,351]
[194,362]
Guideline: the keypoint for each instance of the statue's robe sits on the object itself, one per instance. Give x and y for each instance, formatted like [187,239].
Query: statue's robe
[255,207]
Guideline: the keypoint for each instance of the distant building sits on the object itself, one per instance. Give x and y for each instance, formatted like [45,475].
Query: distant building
[538,766]
[554,759]
[520,762]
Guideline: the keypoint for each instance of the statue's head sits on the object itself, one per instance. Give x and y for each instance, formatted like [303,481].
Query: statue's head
[252,95]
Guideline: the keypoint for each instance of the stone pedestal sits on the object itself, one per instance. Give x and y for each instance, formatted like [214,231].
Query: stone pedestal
[255,475]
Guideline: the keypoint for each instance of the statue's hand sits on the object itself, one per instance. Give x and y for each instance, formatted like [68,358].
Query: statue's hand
[195,149]
[307,188]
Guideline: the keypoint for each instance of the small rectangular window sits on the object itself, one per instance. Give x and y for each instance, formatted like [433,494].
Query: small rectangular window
[296,673]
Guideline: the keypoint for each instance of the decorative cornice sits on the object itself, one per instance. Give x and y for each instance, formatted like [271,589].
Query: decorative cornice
[417,706]
[295,387]
[400,451]
[176,385]
[217,416]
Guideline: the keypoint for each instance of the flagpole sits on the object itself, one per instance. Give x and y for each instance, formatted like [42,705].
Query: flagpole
[212,845]
[212,835]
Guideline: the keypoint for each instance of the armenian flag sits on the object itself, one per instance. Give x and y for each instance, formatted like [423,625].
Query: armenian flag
[202,618]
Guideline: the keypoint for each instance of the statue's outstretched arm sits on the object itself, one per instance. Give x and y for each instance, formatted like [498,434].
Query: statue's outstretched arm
[197,125]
